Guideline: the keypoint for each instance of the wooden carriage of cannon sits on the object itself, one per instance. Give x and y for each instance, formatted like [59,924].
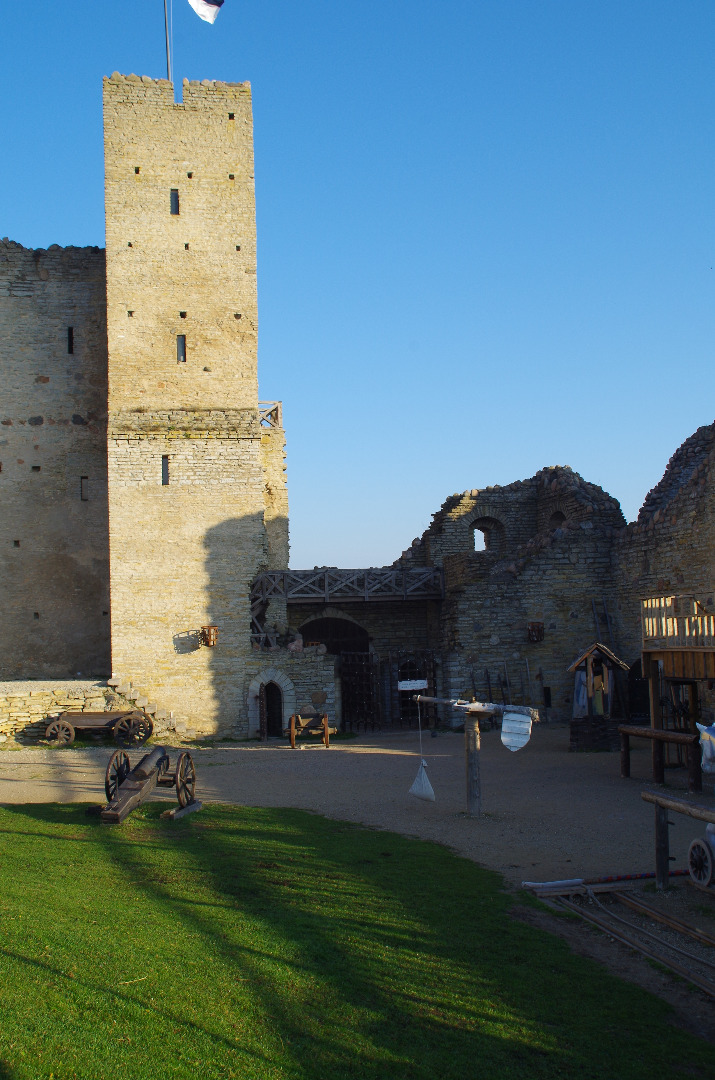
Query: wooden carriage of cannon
[127,787]
[130,727]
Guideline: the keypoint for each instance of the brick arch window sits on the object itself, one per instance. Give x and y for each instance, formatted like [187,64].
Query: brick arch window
[556,520]
[489,535]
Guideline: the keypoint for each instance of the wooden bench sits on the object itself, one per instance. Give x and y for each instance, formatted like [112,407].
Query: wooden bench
[659,737]
[311,723]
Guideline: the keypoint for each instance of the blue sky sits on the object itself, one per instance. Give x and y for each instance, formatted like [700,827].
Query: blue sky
[486,230]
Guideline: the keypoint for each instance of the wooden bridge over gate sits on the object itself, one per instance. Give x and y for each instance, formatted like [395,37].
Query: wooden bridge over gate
[331,585]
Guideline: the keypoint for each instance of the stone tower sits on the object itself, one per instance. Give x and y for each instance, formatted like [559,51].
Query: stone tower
[194,479]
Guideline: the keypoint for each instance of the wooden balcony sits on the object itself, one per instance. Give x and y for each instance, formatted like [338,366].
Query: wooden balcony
[676,623]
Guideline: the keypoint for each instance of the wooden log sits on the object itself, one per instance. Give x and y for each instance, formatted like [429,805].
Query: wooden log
[472,747]
[695,773]
[625,753]
[662,849]
[680,806]
[658,761]
[683,738]
[292,732]
[326,732]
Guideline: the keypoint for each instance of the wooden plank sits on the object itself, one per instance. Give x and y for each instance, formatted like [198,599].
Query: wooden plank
[181,811]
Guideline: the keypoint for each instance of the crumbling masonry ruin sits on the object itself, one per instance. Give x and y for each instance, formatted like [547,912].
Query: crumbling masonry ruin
[144,496]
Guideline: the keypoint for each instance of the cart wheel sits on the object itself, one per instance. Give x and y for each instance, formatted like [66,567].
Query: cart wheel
[185,779]
[61,732]
[117,772]
[700,863]
[132,730]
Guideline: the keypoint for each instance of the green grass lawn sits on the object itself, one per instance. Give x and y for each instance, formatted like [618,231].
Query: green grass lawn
[277,944]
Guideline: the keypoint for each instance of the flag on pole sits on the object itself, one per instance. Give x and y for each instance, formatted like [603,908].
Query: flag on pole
[206,9]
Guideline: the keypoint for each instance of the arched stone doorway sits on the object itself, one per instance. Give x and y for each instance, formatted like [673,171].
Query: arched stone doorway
[286,689]
[358,668]
[274,710]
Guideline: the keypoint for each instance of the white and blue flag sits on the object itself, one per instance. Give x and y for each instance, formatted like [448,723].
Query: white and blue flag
[207,9]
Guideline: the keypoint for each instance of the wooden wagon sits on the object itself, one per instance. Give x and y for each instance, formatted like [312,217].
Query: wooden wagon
[130,727]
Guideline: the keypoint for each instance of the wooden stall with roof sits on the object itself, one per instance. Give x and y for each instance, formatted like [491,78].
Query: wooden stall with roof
[598,699]
[678,658]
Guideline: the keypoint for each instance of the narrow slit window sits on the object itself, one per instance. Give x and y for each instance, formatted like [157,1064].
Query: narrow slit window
[174,201]
[232,116]
[84,488]
[136,170]
[164,470]
[186,247]
[35,614]
[181,348]
[36,468]
[70,339]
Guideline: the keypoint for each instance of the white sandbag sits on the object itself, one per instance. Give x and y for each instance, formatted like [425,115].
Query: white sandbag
[707,744]
[422,789]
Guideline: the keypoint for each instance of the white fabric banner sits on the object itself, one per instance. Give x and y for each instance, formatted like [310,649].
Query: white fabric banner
[207,9]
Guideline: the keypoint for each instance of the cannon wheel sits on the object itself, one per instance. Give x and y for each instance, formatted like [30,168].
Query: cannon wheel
[61,732]
[117,772]
[700,863]
[132,730]
[185,779]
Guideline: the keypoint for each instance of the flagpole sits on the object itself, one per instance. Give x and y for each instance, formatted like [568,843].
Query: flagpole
[168,51]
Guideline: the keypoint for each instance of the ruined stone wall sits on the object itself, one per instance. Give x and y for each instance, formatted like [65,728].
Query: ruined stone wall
[549,556]
[187,474]
[670,549]
[53,525]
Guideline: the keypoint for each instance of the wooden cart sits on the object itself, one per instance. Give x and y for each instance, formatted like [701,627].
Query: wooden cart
[130,727]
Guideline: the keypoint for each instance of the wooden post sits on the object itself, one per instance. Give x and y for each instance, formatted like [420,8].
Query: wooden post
[662,848]
[625,754]
[695,773]
[472,746]
[326,732]
[292,732]
[658,762]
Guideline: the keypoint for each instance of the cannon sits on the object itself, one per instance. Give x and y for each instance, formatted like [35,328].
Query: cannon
[127,787]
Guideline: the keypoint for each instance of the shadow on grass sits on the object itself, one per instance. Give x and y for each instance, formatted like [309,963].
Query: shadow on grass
[367,954]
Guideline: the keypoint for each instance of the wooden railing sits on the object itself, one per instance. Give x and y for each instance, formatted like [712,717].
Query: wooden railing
[339,586]
[349,586]
[270,413]
[676,622]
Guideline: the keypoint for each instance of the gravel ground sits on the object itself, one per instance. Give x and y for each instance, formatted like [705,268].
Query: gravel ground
[547,814]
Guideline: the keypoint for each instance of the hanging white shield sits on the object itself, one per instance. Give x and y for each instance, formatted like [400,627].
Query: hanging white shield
[515,730]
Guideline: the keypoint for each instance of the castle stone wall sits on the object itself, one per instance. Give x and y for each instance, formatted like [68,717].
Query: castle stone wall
[53,524]
[187,474]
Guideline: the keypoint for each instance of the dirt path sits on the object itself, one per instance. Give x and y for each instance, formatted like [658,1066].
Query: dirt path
[547,813]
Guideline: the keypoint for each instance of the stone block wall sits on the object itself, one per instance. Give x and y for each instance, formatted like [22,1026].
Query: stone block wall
[26,708]
[192,474]
[299,674]
[54,549]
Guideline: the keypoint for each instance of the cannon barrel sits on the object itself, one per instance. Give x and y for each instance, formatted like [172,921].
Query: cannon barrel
[150,762]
